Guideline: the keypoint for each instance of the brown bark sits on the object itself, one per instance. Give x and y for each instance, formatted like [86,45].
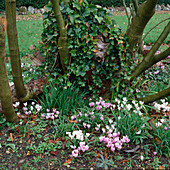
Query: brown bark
[143,15]
[63,39]
[22,93]
[5,93]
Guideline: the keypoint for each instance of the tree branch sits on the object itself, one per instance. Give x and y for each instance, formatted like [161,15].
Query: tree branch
[150,59]
[154,97]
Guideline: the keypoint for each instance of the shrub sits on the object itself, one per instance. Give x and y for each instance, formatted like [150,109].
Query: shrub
[85,23]
[34,3]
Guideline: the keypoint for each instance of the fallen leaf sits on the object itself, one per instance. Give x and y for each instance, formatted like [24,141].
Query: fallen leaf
[161,167]
[52,141]
[11,137]
[28,153]
[53,153]
[0,133]
[97,154]
[123,161]
[67,162]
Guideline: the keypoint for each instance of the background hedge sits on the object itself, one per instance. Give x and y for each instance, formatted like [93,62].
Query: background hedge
[110,3]
[27,3]
[41,3]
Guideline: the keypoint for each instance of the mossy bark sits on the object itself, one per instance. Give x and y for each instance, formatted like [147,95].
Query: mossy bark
[63,39]
[5,93]
[143,15]
[21,91]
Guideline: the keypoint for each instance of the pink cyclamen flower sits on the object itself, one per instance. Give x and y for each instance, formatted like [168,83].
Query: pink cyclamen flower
[85,114]
[97,103]
[165,128]
[163,67]
[156,72]
[75,153]
[101,138]
[154,153]
[91,104]
[101,118]
[158,52]
[98,107]
[25,108]
[84,124]
[88,126]
[73,117]
[42,115]
[96,128]
[48,110]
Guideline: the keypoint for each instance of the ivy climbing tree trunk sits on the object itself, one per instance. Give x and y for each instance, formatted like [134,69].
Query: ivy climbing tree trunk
[5,93]
[143,15]
[22,92]
[63,39]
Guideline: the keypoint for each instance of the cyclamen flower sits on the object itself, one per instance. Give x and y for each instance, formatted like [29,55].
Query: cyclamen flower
[154,153]
[80,114]
[42,115]
[75,153]
[91,104]
[98,107]
[156,72]
[73,117]
[88,126]
[25,108]
[84,124]
[165,128]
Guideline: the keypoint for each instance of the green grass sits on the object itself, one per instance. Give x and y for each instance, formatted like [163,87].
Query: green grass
[29,32]
[154,34]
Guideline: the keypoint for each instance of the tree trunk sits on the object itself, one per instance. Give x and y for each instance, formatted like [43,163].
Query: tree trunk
[144,14]
[63,39]
[5,93]
[22,93]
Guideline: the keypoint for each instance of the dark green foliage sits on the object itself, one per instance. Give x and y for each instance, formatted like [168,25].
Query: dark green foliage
[110,3]
[34,3]
[84,23]
[63,98]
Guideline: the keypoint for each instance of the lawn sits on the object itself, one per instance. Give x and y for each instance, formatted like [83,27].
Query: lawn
[29,33]
[154,34]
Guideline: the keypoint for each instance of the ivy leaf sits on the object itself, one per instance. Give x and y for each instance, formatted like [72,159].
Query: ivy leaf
[99,19]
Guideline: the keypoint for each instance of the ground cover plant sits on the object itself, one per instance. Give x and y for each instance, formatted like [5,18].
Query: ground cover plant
[68,128]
